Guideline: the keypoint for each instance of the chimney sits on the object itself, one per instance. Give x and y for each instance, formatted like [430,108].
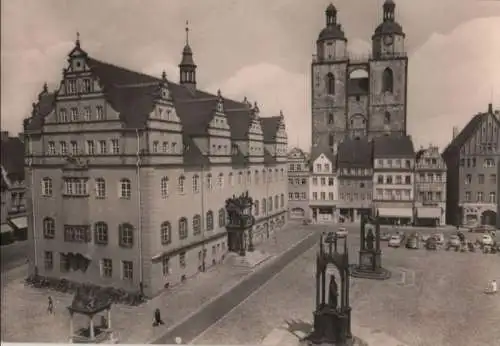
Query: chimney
[455,132]
[5,135]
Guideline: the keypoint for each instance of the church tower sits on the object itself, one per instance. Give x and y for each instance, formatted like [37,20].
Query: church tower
[388,76]
[187,67]
[328,73]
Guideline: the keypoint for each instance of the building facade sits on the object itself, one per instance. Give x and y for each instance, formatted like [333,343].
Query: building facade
[393,178]
[359,96]
[355,179]
[430,187]
[298,185]
[13,189]
[472,183]
[131,173]
[323,186]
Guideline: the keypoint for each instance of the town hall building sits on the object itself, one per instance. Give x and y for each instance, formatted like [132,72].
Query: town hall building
[128,174]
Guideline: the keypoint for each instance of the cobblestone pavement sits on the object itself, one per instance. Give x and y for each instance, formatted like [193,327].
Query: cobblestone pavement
[24,309]
[433,298]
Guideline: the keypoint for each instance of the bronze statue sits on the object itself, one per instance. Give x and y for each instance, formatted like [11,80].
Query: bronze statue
[370,238]
[333,292]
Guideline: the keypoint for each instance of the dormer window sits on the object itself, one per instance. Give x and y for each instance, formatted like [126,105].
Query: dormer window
[86,85]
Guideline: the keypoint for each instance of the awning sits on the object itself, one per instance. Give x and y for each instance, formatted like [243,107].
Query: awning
[429,213]
[395,212]
[6,228]
[20,222]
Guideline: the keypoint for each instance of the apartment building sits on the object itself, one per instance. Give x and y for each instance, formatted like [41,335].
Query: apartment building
[298,185]
[472,159]
[393,178]
[430,187]
[323,186]
[14,221]
[355,178]
[128,174]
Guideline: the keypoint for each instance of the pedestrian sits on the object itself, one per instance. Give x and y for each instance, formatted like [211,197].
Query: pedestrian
[157,318]
[50,307]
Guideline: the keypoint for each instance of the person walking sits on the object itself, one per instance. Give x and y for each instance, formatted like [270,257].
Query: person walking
[157,318]
[50,306]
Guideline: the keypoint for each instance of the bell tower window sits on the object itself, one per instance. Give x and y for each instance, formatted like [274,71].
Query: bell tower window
[387,118]
[388,81]
[330,118]
[330,84]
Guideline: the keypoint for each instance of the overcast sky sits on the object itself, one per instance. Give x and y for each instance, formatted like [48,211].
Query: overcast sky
[260,49]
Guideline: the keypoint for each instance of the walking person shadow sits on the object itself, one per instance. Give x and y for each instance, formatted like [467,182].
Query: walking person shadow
[157,319]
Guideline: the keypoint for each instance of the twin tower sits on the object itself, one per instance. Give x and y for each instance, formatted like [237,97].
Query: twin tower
[359,97]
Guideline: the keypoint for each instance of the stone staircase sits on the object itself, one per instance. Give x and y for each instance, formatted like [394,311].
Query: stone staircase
[250,260]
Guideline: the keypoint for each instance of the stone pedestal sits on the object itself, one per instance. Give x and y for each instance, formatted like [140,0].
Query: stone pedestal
[370,266]
[330,328]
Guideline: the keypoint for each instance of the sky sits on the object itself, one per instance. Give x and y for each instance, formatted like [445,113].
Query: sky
[260,49]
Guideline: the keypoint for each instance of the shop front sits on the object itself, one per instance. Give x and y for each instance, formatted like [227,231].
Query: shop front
[395,216]
[428,216]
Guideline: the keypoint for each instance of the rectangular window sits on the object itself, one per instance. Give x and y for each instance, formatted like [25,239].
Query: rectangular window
[77,234]
[315,195]
[315,181]
[74,148]
[99,113]
[330,196]
[407,179]
[303,195]
[63,115]
[49,260]
[493,197]
[86,113]
[155,146]
[182,259]
[323,181]
[74,114]
[323,196]
[90,147]
[107,268]
[468,179]
[165,265]
[128,270]
[479,196]
[493,178]
[52,148]
[330,181]
[86,85]
[115,146]
[481,178]
[103,147]
[468,196]
[63,262]
[76,187]
[64,148]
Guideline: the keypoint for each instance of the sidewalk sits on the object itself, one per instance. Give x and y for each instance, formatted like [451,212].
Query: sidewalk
[24,316]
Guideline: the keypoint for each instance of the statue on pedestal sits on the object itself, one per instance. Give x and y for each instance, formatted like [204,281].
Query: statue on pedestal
[333,292]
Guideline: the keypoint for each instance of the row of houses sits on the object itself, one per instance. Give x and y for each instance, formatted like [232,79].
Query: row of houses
[12,186]
[388,177]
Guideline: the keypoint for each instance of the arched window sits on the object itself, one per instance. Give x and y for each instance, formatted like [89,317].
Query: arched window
[387,118]
[196,224]
[125,188]
[330,118]
[264,206]
[164,187]
[256,177]
[331,140]
[282,197]
[330,84]
[183,228]
[49,228]
[126,235]
[270,204]
[230,179]
[100,188]
[256,208]
[210,220]
[249,177]
[166,233]
[240,178]
[196,183]
[276,202]
[180,184]
[220,181]
[101,233]
[222,217]
[388,81]
[47,187]
[209,182]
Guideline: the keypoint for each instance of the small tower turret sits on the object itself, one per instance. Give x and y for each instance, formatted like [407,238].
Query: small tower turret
[187,67]
[331,43]
[388,39]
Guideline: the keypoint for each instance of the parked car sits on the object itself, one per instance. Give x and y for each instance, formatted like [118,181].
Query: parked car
[486,239]
[413,242]
[395,241]
[341,233]
[431,244]
[439,238]
[453,243]
[425,237]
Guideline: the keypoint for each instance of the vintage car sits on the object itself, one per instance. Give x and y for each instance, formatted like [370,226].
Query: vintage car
[431,243]
[453,243]
[413,241]
[439,238]
[395,241]
[486,239]
[341,233]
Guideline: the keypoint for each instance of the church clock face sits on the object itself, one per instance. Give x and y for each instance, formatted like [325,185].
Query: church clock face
[388,40]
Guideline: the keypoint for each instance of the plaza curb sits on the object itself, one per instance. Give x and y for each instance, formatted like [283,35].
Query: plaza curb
[230,288]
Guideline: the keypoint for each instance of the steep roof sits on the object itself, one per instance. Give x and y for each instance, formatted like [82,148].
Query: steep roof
[467,132]
[317,151]
[132,94]
[270,127]
[393,146]
[355,152]
[12,158]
